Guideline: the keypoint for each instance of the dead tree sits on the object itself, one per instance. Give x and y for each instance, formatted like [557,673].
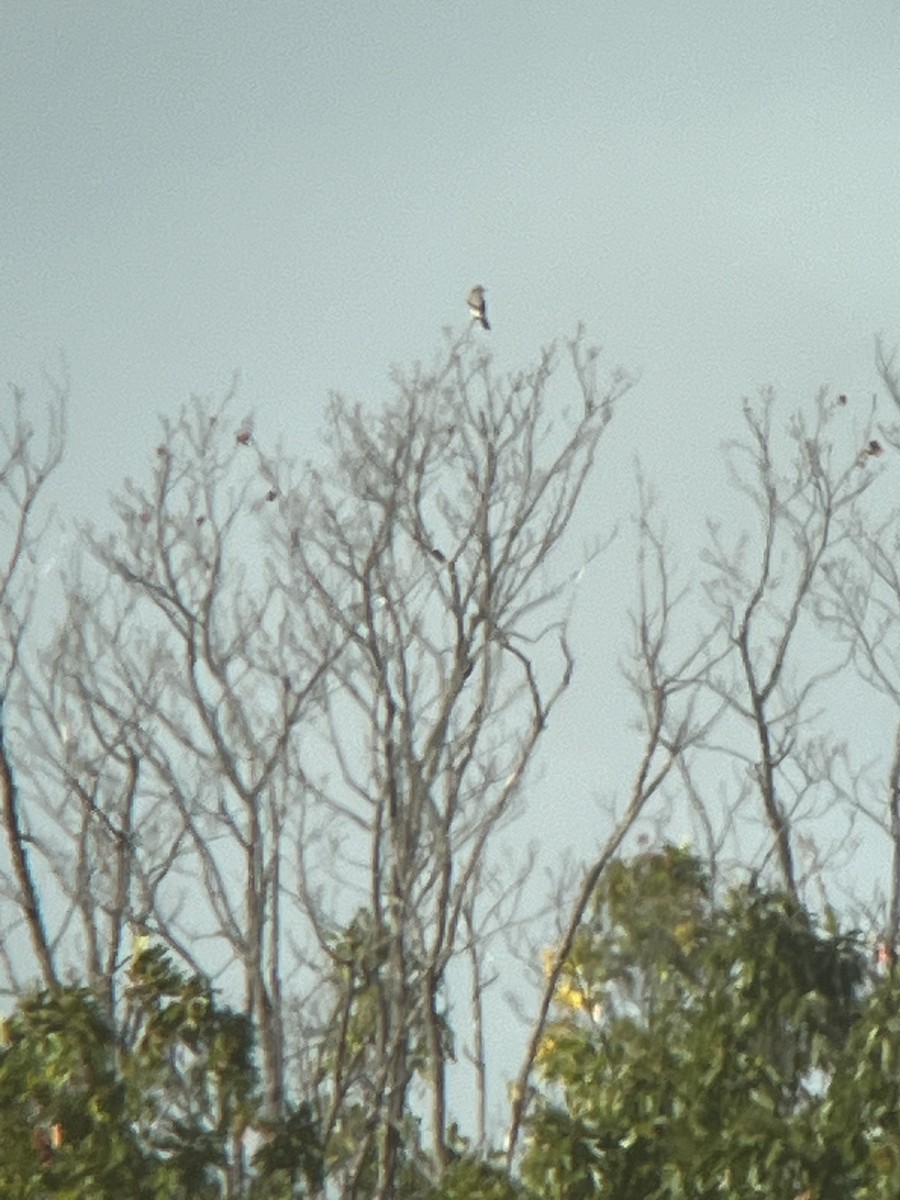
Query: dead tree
[859,606]
[289,709]
[25,468]
[761,588]
[429,547]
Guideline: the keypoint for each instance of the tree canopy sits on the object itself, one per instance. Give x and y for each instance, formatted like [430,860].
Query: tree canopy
[707,1047]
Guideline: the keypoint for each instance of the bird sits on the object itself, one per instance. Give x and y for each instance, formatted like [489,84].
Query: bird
[477,306]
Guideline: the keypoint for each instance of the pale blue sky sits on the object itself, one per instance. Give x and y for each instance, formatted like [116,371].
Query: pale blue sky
[305,192]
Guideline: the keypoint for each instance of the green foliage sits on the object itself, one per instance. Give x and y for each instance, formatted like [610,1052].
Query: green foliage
[152,1109]
[700,1049]
[858,1125]
[648,925]
[470,1178]
[360,980]
[290,1164]
[58,1083]
[190,1061]
[708,1050]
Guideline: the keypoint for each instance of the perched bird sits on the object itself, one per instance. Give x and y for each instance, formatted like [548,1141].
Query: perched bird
[477,306]
[873,450]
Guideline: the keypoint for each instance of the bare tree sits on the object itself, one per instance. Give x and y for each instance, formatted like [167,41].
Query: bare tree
[290,708]
[430,549]
[859,605]
[25,468]
[762,589]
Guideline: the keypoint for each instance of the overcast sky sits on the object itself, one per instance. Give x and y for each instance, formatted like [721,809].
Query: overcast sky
[303,192]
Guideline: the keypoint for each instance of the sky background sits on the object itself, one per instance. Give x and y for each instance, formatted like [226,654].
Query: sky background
[303,193]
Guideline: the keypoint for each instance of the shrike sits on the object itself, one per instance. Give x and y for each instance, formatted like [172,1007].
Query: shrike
[477,306]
